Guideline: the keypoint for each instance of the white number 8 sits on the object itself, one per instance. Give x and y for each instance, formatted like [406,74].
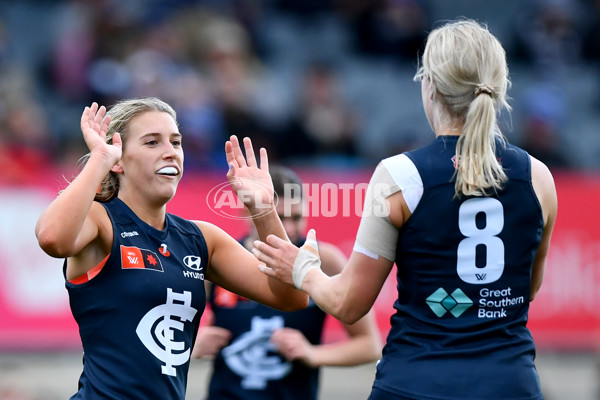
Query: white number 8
[494,222]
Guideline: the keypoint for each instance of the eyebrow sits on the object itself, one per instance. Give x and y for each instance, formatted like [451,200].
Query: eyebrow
[154,134]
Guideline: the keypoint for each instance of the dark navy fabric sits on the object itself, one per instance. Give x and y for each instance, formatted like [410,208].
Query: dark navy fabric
[249,368]
[463,279]
[139,316]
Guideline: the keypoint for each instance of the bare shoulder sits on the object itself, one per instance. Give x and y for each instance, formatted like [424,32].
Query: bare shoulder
[544,187]
[211,232]
[540,173]
[99,216]
[333,259]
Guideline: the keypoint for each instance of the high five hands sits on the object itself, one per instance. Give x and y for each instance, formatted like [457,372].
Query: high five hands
[282,260]
[250,182]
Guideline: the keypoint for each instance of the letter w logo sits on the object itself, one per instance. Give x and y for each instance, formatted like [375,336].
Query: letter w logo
[133,260]
[481,277]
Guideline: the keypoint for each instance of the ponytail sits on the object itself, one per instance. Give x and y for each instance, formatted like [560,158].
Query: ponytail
[467,67]
[478,170]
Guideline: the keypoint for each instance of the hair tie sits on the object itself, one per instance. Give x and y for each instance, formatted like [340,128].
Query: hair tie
[483,88]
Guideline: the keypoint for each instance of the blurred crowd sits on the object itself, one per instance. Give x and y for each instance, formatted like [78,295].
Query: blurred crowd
[294,75]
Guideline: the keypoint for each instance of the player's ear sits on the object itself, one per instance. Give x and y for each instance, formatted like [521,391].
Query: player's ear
[117,168]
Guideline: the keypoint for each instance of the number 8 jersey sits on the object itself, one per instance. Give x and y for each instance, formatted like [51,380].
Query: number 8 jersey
[463,270]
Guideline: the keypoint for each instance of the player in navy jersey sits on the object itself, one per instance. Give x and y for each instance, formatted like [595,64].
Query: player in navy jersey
[467,219]
[135,273]
[261,353]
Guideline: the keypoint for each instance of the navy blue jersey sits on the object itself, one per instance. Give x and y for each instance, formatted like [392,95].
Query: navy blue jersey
[249,367]
[463,277]
[138,317]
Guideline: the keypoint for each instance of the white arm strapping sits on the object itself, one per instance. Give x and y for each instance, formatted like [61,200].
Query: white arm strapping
[377,235]
[306,260]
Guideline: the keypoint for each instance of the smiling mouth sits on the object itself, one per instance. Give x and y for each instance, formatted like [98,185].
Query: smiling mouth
[169,171]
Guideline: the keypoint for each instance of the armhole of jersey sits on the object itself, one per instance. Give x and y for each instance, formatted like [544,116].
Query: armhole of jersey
[91,273]
[406,175]
[201,239]
[531,187]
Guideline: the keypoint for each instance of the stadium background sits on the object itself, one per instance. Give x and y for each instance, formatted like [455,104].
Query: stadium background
[327,87]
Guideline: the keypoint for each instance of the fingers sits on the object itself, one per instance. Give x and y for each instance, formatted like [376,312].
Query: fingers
[266,270]
[84,117]
[250,158]
[235,156]
[311,242]
[105,123]
[276,241]
[99,117]
[95,117]
[269,248]
[229,153]
[264,159]
[262,256]
[238,156]
[93,108]
[116,140]
[290,343]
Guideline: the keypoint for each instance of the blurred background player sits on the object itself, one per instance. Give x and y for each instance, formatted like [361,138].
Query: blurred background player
[262,353]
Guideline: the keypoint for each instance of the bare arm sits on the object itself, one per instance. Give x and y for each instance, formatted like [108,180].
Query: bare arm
[234,268]
[350,295]
[544,187]
[253,186]
[347,296]
[362,346]
[73,225]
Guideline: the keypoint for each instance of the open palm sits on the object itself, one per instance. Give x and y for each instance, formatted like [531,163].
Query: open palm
[251,183]
[94,124]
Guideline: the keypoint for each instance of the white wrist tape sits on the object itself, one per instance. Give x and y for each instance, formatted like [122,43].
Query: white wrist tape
[306,260]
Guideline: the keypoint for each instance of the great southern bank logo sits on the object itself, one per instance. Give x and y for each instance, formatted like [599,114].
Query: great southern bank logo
[456,303]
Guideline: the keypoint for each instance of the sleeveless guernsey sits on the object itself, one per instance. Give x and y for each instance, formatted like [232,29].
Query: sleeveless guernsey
[463,278]
[139,315]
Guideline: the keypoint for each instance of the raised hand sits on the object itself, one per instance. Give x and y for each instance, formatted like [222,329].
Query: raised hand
[94,124]
[251,183]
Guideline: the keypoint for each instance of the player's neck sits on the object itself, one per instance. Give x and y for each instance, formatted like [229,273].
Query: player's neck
[153,215]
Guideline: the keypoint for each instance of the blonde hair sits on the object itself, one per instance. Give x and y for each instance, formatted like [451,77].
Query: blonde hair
[121,115]
[467,67]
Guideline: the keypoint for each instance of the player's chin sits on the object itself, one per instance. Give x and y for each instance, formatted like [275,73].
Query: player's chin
[165,194]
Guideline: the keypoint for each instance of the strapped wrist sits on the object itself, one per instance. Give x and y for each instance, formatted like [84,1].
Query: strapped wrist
[306,260]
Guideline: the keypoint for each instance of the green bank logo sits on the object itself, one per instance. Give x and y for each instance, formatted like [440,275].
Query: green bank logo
[441,302]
